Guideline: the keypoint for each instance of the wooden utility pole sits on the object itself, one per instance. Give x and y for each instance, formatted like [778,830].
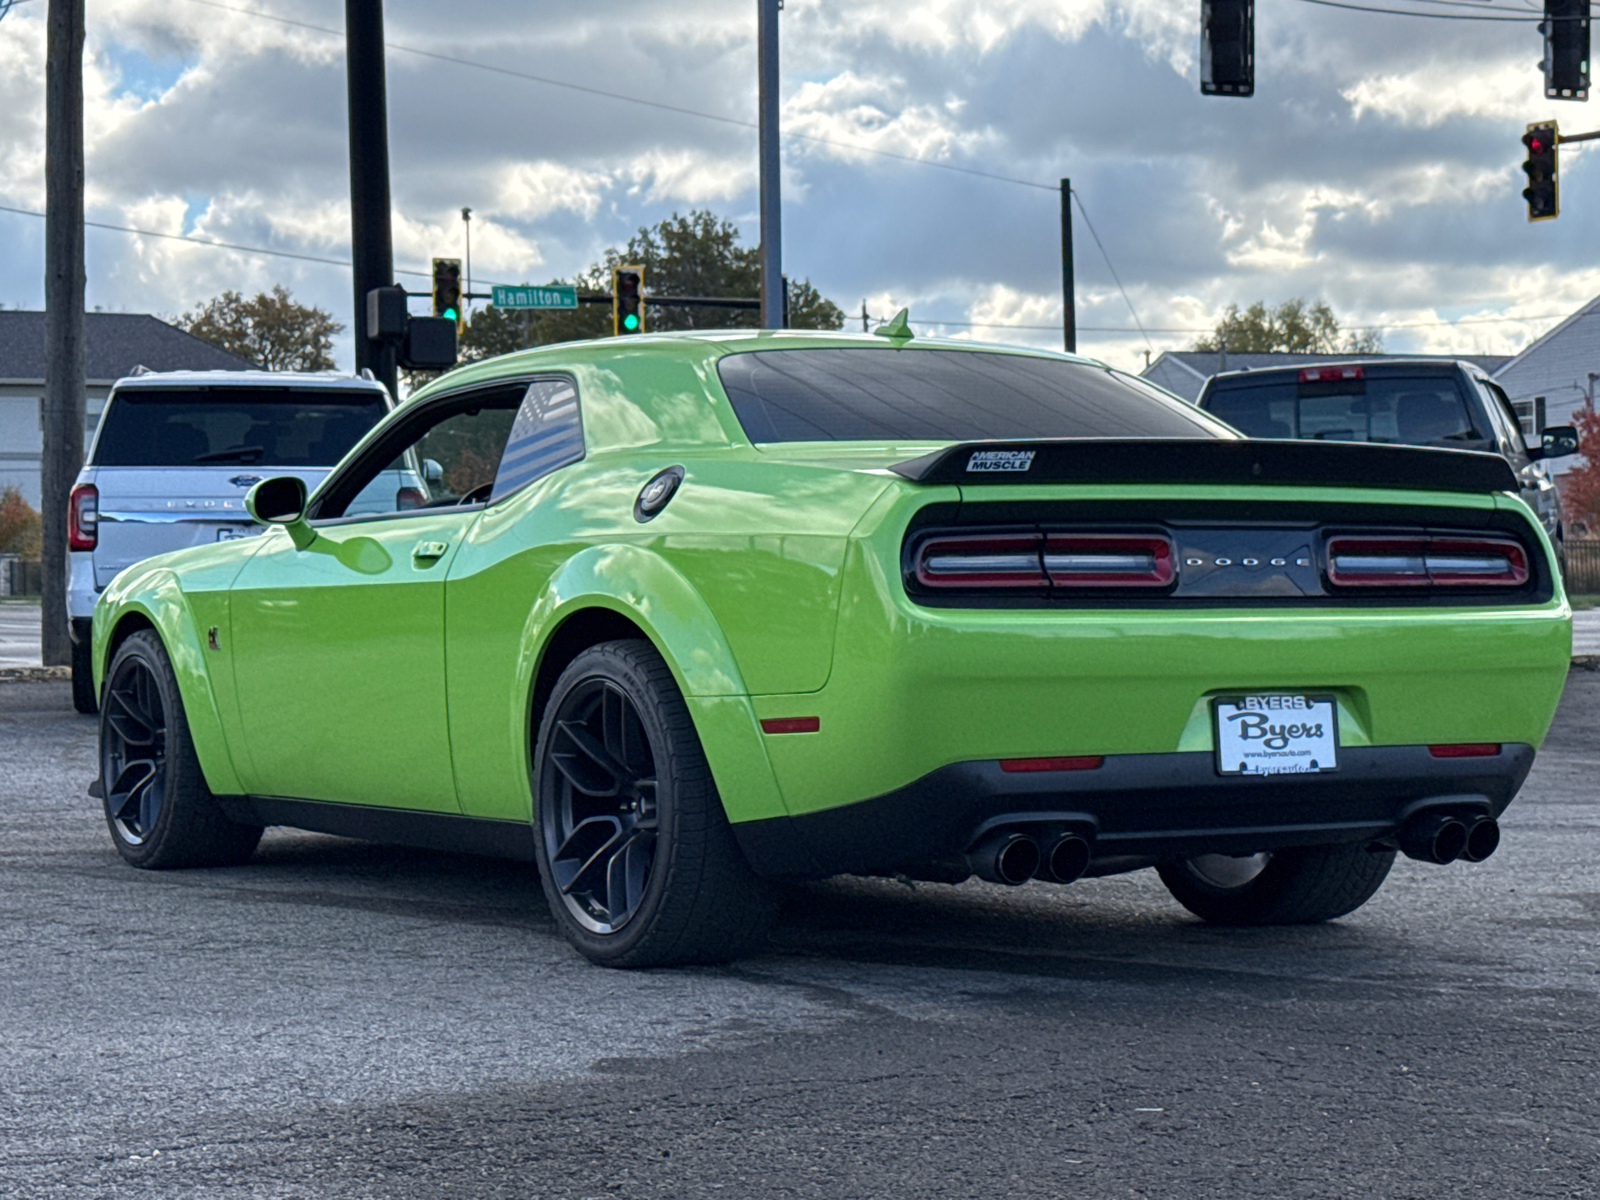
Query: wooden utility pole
[63,303]
[772,306]
[371,248]
[1069,298]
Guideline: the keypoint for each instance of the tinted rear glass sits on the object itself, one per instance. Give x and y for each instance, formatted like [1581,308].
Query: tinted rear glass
[1419,410]
[278,427]
[889,395]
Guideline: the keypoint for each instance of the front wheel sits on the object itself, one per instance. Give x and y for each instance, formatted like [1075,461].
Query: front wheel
[1284,887]
[158,807]
[638,860]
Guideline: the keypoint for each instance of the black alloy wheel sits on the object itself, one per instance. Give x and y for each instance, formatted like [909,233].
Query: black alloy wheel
[639,864]
[602,814]
[158,807]
[133,751]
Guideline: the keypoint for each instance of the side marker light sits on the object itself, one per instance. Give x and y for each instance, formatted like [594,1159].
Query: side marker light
[790,724]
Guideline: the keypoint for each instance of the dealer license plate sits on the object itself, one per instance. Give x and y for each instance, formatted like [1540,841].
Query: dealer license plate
[1276,734]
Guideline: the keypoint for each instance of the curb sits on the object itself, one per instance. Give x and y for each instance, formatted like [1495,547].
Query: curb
[34,674]
[1586,662]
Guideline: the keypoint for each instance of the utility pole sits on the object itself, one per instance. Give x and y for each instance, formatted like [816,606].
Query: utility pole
[771,202]
[371,247]
[64,282]
[1069,311]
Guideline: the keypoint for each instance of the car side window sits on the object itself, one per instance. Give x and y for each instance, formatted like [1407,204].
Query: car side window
[446,455]
[1507,418]
[547,434]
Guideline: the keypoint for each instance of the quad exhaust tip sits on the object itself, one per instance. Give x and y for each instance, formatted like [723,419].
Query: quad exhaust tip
[1066,860]
[1008,858]
[1444,837]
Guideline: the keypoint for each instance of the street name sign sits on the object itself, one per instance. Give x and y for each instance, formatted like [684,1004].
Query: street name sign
[557,296]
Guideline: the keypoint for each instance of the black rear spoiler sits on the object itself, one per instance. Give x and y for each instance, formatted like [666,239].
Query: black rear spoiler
[1249,462]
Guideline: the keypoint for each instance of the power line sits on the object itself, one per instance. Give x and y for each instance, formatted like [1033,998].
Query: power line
[1109,267]
[215,245]
[610,95]
[1531,18]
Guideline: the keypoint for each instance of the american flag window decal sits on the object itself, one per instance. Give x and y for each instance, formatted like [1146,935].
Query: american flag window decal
[546,434]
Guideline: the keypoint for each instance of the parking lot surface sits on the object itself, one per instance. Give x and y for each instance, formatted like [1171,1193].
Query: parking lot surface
[343,1020]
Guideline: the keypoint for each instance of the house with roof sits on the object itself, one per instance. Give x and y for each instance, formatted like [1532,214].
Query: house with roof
[1553,377]
[1184,372]
[115,344]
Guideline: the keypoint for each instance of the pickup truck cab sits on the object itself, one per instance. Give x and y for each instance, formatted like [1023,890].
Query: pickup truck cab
[174,455]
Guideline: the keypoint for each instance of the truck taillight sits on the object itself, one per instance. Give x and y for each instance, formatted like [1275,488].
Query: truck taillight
[83,517]
[1370,563]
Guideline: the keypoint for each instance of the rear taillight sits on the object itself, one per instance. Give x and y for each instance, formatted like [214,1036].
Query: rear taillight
[408,498]
[83,517]
[1358,561]
[1064,561]
[1004,560]
[1465,750]
[1108,560]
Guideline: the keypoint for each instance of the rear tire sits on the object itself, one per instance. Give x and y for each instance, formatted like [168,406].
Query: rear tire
[638,861]
[83,695]
[1293,887]
[160,812]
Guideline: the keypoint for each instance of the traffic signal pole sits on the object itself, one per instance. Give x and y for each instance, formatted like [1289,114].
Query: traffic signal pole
[371,247]
[771,205]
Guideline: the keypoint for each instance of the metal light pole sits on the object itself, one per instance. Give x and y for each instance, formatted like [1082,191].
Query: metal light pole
[371,247]
[1069,311]
[466,296]
[771,203]
[64,278]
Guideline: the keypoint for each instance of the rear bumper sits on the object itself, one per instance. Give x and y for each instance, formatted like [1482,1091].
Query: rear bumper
[1134,806]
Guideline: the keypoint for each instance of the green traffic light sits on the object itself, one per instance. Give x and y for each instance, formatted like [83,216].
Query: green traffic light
[451,313]
[630,322]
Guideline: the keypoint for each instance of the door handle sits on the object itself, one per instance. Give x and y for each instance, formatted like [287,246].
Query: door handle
[429,552]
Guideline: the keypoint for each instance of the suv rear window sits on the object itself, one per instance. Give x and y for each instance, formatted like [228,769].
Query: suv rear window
[279,427]
[890,395]
[1414,410]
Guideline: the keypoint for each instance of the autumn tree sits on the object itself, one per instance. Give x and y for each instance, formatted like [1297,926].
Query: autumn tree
[19,525]
[1580,487]
[272,330]
[1293,326]
[694,255]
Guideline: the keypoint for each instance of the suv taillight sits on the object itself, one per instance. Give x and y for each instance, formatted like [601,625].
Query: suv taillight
[408,498]
[1410,562]
[83,517]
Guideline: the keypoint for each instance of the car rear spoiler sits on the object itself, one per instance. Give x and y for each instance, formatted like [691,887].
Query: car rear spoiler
[1248,461]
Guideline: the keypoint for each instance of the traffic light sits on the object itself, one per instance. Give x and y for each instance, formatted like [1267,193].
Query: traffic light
[1542,194]
[447,289]
[1566,49]
[1228,47]
[627,299]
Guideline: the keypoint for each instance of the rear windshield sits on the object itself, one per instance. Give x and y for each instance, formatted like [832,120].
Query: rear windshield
[1418,410]
[279,427]
[890,395]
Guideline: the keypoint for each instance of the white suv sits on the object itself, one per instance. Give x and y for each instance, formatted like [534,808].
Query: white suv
[174,455]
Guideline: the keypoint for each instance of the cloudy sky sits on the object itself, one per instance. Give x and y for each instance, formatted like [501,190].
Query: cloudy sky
[1377,167]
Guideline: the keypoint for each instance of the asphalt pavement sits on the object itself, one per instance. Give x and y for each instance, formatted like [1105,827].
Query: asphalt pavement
[342,1020]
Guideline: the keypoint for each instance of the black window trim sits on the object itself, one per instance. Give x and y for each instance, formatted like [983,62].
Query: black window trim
[413,414]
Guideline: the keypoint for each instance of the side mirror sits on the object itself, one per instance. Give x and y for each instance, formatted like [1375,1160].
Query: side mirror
[281,501]
[1557,442]
[432,472]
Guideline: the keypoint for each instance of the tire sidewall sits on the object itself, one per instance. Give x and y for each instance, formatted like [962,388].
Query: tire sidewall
[604,662]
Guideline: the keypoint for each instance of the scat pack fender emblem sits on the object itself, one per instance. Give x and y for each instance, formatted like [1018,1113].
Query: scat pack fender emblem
[1000,460]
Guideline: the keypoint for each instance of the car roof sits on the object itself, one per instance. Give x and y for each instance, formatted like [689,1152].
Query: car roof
[320,380]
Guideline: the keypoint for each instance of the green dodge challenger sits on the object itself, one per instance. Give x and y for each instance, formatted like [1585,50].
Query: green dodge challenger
[679,616]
